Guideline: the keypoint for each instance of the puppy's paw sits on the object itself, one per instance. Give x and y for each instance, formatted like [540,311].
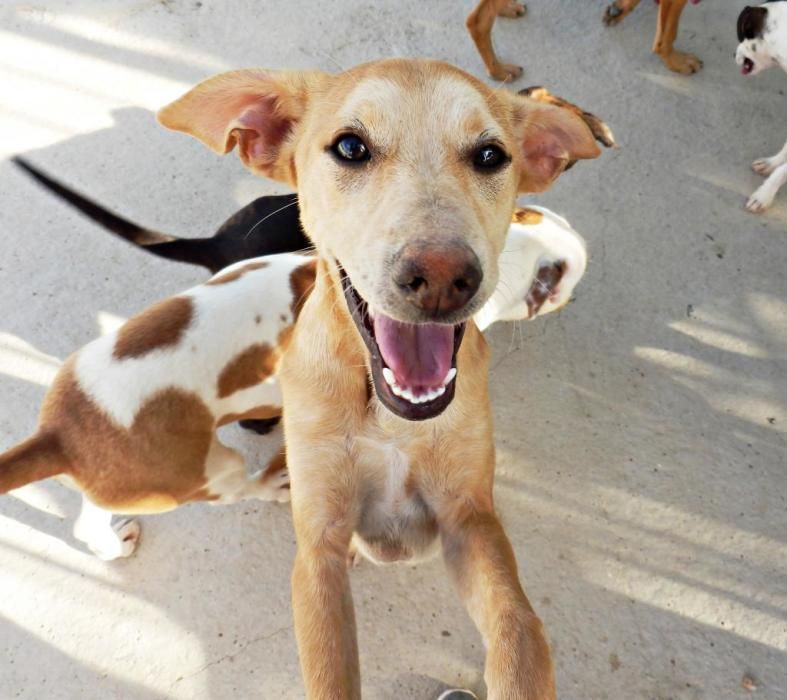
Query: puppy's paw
[115,543]
[684,63]
[760,200]
[513,9]
[274,486]
[613,15]
[505,72]
[546,288]
[765,166]
[128,532]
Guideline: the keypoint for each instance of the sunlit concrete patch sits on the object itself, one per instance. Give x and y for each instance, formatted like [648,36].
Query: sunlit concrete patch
[770,309]
[113,36]
[687,564]
[21,360]
[40,573]
[719,339]
[38,496]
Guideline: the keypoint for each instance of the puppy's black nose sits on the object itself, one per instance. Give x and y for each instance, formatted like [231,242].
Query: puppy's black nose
[438,277]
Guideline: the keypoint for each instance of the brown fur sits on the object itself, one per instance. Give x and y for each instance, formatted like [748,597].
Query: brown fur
[301,284]
[158,327]
[257,413]
[421,118]
[527,216]
[480,22]
[126,470]
[666,32]
[236,274]
[482,19]
[39,457]
[249,367]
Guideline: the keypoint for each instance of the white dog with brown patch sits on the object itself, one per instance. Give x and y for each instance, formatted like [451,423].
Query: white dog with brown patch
[131,418]
[762,33]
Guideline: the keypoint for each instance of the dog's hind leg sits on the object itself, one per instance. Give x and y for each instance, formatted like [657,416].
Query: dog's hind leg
[106,540]
[763,196]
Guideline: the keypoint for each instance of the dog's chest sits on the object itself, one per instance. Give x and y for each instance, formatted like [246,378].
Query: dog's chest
[395,520]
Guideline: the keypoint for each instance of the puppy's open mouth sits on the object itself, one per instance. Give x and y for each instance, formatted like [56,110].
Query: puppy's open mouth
[413,364]
[747,66]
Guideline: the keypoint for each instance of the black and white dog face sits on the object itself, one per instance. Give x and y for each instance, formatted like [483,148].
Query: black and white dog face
[762,33]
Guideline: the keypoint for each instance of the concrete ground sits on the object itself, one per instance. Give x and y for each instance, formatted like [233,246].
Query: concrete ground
[641,432]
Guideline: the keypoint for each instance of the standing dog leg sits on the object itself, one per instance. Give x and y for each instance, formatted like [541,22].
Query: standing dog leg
[107,541]
[666,31]
[321,597]
[480,22]
[481,560]
[764,194]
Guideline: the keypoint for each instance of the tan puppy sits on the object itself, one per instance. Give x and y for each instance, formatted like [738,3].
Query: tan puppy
[407,173]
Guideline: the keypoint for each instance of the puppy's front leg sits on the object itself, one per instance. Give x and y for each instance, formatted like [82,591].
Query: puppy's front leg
[480,557]
[763,196]
[321,597]
[765,166]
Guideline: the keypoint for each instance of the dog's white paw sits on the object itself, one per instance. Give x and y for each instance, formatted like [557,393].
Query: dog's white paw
[765,166]
[274,486]
[128,532]
[760,200]
[121,541]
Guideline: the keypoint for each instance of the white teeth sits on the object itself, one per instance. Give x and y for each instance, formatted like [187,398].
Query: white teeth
[407,393]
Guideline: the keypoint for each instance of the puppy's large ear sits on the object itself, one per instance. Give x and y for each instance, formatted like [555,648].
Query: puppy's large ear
[751,22]
[257,110]
[550,139]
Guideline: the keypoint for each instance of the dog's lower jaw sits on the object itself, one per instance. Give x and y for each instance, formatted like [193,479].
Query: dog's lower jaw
[420,403]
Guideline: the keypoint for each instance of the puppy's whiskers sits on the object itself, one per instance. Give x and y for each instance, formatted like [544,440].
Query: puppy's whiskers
[268,216]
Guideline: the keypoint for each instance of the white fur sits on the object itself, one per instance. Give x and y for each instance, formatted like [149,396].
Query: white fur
[770,48]
[223,325]
[528,248]
[765,51]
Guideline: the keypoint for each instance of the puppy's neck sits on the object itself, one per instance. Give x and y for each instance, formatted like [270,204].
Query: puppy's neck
[333,315]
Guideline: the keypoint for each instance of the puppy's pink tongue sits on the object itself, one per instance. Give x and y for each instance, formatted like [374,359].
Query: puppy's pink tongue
[418,354]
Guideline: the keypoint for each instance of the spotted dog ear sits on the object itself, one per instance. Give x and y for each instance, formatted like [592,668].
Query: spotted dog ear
[256,110]
[550,140]
[751,22]
[602,133]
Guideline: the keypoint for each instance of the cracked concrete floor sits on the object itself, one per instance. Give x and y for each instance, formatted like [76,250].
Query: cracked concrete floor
[641,432]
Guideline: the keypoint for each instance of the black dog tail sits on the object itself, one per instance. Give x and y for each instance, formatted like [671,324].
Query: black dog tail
[197,251]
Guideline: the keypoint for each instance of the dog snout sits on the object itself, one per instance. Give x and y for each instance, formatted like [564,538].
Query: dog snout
[438,279]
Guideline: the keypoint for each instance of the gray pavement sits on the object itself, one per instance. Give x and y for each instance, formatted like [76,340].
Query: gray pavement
[641,432]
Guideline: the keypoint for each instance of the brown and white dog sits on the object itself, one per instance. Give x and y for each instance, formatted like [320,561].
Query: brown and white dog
[481,20]
[131,417]
[407,173]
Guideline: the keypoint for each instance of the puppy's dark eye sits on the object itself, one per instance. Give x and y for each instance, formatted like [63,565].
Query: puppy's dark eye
[489,157]
[350,148]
